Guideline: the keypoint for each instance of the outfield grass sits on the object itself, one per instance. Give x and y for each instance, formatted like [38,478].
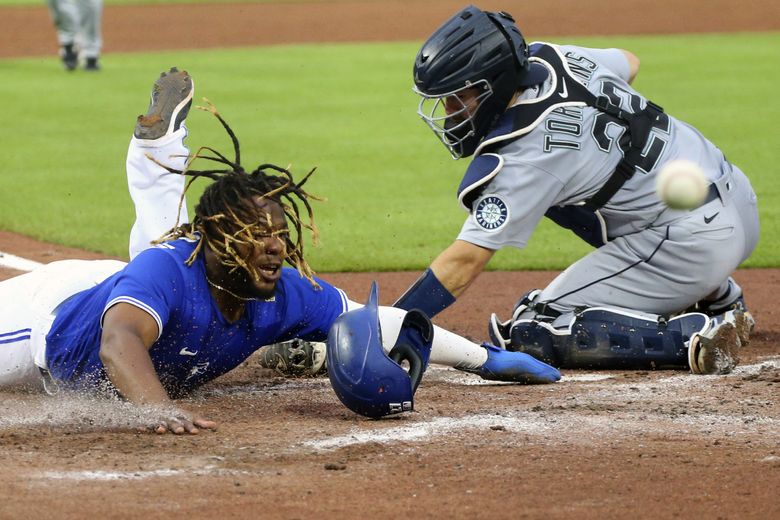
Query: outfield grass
[349,110]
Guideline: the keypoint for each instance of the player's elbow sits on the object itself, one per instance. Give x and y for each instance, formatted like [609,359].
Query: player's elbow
[633,64]
[109,351]
[117,345]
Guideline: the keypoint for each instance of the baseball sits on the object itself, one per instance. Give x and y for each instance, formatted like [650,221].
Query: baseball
[681,184]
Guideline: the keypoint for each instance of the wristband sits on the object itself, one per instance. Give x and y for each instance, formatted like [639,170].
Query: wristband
[426,294]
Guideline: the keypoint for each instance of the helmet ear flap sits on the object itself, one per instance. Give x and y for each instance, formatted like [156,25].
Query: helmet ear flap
[364,378]
[406,352]
[414,345]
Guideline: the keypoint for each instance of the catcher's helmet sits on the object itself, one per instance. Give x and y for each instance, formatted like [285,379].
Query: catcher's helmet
[367,380]
[473,49]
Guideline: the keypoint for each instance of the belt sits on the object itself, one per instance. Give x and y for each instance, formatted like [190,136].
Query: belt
[712,194]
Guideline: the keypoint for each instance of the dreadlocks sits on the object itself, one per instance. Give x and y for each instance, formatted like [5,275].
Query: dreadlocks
[227,216]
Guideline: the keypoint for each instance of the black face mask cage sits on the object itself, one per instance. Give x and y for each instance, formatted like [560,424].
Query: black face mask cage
[453,129]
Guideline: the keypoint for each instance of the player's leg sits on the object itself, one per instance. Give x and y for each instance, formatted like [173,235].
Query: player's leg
[17,321]
[614,337]
[669,267]
[159,140]
[28,305]
[655,273]
[65,16]
[90,12]
[739,196]
[453,350]
[305,358]
[448,349]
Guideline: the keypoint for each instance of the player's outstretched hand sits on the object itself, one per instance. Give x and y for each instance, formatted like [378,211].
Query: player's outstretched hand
[179,421]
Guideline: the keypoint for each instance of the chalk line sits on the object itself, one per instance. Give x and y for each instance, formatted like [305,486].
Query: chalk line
[18,263]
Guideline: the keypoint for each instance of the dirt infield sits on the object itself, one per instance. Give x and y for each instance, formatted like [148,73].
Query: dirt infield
[28,31]
[612,444]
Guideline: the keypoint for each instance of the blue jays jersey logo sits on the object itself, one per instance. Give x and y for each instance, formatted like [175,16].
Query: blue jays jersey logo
[197,370]
[491,213]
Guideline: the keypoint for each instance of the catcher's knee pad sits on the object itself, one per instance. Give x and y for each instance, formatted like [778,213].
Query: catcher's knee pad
[537,339]
[606,338]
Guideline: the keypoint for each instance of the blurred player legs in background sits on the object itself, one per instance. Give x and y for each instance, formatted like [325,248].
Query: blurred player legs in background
[78,31]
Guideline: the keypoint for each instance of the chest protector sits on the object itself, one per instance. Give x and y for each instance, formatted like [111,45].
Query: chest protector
[566,91]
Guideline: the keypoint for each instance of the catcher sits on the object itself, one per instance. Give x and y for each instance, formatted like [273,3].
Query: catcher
[210,292]
[558,131]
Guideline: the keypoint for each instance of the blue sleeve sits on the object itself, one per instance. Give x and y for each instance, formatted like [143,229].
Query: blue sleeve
[153,282]
[309,312]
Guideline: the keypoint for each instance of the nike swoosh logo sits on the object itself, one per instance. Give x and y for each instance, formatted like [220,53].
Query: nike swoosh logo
[565,92]
[707,219]
[185,352]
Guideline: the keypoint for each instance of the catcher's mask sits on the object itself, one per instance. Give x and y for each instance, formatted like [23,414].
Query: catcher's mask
[478,50]
[367,380]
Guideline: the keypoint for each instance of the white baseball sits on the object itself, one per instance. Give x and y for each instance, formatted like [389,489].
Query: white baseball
[681,184]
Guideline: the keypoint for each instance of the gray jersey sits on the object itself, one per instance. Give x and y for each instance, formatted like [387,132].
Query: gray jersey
[567,158]
[651,258]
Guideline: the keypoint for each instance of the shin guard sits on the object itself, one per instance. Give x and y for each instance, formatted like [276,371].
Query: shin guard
[610,339]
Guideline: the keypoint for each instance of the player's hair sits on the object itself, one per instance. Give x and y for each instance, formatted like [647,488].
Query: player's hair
[227,215]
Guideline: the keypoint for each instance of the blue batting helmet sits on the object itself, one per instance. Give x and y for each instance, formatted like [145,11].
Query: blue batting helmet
[367,380]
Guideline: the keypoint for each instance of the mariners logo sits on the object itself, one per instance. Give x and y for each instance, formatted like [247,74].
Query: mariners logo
[491,213]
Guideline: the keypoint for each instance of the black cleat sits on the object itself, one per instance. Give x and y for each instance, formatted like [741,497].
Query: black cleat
[92,65]
[69,56]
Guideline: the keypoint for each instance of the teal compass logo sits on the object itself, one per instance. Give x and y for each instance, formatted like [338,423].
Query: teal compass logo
[491,213]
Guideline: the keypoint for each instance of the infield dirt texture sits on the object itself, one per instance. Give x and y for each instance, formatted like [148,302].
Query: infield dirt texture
[596,445]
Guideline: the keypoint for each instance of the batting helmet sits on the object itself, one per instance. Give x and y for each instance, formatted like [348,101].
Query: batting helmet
[473,49]
[367,380]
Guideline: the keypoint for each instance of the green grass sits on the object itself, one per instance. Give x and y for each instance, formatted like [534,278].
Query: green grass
[349,110]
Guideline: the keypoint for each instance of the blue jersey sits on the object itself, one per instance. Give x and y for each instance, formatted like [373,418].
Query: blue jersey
[196,343]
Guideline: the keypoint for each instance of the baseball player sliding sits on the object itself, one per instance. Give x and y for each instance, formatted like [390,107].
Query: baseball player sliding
[558,131]
[209,294]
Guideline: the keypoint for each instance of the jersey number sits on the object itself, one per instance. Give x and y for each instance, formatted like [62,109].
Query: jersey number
[628,101]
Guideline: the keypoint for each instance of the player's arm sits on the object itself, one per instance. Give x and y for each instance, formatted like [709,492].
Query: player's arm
[448,277]
[128,334]
[633,65]
[459,265]
[620,61]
